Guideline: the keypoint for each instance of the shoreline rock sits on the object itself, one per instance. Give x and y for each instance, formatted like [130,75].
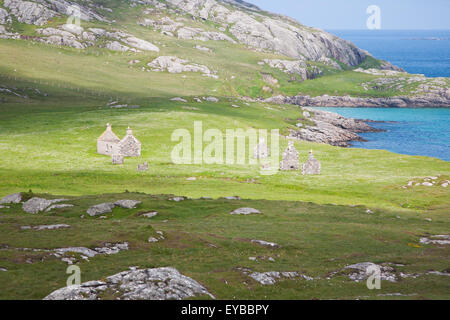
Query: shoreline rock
[423,101]
[331,128]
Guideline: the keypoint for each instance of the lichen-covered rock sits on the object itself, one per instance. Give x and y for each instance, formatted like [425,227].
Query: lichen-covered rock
[441,239]
[271,277]
[127,204]
[176,65]
[245,211]
[29,12]
[4,17]
[116,46]
[141,44]
[136,284]
[189,33]
[58,206]
[46,227]
[73,28]
[101,208]
[36,205]
[12,198]
[361,271]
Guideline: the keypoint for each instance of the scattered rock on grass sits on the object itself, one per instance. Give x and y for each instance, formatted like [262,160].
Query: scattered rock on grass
[246,211]
[140,284]
[271,277]
[150,214]
[178,99]
[266,243]
[177,199]
[437,239]
[127,204]
[233,198]
[12,198]
[46,227]
[36,205]
[58,206]
[361,271]
[100,209]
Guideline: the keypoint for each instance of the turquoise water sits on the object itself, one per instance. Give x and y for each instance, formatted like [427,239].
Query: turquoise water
[417,51]
[421,132]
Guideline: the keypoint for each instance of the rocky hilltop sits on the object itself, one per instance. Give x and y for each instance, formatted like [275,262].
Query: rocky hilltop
[280,53]
[236,21]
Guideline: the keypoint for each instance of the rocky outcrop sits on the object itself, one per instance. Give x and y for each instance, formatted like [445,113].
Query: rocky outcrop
[189,33]
[266,244]
[75,36]
[12,198]
[36,204]
[127,204]
[140,44]
[136,284]
[101,208]
[29,12]
[330,128]
[271,277]
[177,65]
[274,33]
[4,17]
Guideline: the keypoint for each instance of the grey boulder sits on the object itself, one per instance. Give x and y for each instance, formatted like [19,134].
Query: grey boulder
[100,209]
[12,198]
[127,204]
[136,284]
[246,211]
[36,205]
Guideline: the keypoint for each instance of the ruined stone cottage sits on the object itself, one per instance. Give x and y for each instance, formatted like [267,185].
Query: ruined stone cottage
[129,145]
[110,145]
[290,158]
[108,142]
[311,166]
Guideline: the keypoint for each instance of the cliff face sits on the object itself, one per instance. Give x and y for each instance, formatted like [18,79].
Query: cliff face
[262,30]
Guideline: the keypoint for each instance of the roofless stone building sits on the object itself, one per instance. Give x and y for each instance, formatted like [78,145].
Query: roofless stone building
[311,166]
[109,144]
[290,158]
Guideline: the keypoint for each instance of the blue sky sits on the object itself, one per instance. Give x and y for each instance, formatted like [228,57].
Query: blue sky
[351,14]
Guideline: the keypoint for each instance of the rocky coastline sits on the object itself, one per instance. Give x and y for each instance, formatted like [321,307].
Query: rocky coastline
[331,128]
[432,100]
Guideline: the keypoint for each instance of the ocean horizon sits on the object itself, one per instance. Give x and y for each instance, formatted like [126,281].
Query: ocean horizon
[417,51]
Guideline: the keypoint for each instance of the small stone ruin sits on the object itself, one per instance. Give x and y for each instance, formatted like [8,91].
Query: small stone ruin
[142,167]
[311,166]
[117,159]
[290,158]
[110,145]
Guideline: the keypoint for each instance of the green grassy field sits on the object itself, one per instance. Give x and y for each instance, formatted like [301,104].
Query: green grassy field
[205,242]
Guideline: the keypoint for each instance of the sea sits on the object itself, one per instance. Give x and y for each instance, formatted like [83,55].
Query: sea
[411,131]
